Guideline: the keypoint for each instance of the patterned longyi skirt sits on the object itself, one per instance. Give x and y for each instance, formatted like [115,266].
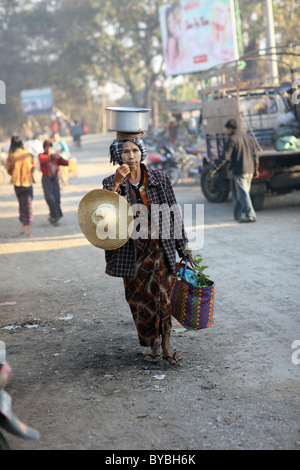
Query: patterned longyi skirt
[25,196]
[148,293]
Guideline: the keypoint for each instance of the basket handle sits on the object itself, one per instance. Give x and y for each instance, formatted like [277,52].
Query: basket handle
[186,261]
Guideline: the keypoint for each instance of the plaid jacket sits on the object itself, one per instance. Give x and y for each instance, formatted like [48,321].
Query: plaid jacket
[121,262]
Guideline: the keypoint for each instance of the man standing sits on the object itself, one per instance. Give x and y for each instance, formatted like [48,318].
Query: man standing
[241,152]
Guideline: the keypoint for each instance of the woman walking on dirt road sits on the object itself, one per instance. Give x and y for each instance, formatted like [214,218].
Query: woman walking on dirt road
[145,263]
[20,165]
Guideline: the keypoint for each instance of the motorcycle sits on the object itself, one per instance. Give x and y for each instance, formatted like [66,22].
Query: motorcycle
[165,159]
[180,164]
[8,420]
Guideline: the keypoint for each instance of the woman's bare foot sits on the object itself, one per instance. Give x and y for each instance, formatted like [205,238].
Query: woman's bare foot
[168,353]
[173,358]
[154,355]
[22,231]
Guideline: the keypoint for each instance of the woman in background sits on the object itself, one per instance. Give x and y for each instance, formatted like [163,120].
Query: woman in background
[50,163]
[20,165]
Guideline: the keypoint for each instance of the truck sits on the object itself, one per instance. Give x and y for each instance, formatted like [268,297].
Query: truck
[266,113]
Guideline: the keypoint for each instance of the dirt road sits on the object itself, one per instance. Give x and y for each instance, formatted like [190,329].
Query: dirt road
[78,371]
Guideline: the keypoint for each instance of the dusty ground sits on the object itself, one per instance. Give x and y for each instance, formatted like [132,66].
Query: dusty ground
[78,371]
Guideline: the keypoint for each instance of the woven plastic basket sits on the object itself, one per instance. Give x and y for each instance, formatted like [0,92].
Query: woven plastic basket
[193,306]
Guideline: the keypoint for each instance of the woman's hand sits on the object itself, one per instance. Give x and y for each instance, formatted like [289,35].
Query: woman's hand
[185,254]
[120,175]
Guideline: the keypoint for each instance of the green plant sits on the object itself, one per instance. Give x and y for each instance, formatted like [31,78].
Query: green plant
[197,268]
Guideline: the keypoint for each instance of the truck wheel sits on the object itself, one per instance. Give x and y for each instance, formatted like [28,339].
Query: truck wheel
[215,189]
[258,201]
[3,443]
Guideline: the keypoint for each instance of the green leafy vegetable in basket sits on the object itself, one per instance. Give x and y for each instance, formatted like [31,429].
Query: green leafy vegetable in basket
[197,268]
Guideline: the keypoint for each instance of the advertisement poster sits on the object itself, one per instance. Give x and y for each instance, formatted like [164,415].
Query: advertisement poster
[38,101]
[198,35]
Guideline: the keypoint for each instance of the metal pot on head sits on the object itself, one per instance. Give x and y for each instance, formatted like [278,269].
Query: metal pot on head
[133,120]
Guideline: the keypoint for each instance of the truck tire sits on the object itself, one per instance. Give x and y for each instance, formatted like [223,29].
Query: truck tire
[3,443]
[258,201]
[215,189]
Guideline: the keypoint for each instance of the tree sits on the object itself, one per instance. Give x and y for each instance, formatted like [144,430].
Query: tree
[287,30]
[130,50]
[66,45]
[45,44]
[14,58]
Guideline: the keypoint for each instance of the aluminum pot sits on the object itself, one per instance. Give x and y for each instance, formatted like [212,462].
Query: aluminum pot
[127,119]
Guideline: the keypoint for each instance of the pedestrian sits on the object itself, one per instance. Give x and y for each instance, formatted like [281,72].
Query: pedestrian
[20,165]
[241,152]
[76,133]
[54,124]
[35,147]
[146,263]
[61,147]
[50,163]
[84,127]
[173,131]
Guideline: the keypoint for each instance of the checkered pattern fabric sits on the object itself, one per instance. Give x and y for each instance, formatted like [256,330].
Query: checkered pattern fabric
[121,262]
[192,306]
[116,149]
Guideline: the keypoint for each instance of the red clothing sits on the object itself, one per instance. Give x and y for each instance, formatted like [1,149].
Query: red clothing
[50,163]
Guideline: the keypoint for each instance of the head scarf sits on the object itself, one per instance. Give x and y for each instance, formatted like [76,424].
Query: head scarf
[116,149]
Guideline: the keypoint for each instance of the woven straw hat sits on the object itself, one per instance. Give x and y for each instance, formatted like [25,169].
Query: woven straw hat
[106,219]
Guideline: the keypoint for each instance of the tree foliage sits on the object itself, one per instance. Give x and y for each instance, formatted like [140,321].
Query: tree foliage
[129,45]
[66,45]
[287,33]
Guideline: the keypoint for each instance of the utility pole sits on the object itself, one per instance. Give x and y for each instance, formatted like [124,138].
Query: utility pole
[272,43]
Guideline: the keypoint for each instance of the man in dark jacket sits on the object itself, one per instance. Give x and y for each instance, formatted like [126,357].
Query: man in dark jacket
[240,151]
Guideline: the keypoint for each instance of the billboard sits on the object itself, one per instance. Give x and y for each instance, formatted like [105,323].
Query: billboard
[38,101]
[198,35]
